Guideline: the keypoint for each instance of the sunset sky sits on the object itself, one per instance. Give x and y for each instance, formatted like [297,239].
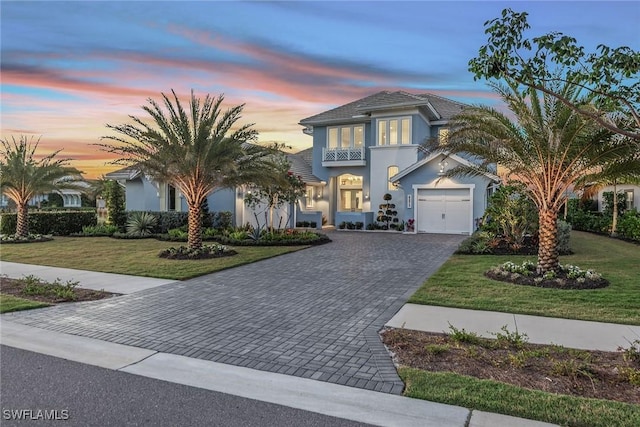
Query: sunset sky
[68,68]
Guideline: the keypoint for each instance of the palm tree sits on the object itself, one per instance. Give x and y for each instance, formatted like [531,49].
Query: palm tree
[23,177]
[548,149]
[197,153]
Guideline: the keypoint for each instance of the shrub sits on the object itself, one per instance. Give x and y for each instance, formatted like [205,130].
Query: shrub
[511,214]
[30,238]
[98,230]
[278,238]
[60,223]
[37,287]
[178,233]
[169,220]
[564,236]
[141,224]
[205,252]
[114,199]
[629,225]
[477,243]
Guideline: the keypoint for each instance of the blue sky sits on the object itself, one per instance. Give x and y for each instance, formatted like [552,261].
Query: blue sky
[68,68]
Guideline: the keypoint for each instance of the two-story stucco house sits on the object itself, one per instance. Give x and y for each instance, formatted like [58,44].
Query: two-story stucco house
[371,147]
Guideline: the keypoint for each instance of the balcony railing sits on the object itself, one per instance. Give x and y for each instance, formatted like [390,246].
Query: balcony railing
[353,155]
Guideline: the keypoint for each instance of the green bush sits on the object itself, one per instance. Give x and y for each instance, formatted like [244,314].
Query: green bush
[287,238]
[511,214]
[141,224]
[114,198]
[629,225]
[594,222]
[98,230]
[178,232]
[170,219]
[564,235]
[60,223]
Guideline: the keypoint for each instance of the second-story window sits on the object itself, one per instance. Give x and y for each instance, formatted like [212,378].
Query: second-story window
[394,131]
[345,137]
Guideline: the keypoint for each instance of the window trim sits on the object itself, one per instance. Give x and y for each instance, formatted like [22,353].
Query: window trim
[398,133]
[352,136]
[629,201]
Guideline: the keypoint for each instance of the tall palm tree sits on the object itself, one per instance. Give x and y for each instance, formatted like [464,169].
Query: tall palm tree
[548,149]
[197,153]
[23,177]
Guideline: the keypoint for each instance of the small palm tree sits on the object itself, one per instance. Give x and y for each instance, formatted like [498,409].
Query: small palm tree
[22,177]
[196,152]
[548,149]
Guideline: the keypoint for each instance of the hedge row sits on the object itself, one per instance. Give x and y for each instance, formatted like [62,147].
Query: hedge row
[595,222]
[61,223]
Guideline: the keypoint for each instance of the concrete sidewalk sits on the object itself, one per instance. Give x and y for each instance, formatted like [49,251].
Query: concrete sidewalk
[109,282]
[540,330]
[350,403]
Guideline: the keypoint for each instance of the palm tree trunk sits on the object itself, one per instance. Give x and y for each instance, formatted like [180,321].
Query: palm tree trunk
[195,227]
[614,220]
[22,225]
[548,245]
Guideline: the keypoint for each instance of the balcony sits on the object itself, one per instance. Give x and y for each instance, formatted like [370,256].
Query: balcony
[350,156]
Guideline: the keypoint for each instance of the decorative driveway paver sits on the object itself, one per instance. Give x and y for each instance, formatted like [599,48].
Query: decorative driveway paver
[314,313]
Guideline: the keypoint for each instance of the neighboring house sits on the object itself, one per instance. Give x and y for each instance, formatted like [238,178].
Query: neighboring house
[632,193]
[142,193]
[70,198]
[370,147]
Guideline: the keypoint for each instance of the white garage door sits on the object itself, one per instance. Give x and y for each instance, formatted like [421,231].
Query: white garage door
[444,210]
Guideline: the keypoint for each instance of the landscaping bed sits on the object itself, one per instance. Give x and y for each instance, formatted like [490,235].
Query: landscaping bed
[33,289]
[549,368]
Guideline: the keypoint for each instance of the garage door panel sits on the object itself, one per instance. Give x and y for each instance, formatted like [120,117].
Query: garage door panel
[444,210]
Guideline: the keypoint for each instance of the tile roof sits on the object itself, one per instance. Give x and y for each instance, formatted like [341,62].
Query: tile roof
[301,165]
[444,108]
[128,173]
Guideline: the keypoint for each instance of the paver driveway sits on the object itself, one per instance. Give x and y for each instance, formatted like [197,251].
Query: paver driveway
[315,313]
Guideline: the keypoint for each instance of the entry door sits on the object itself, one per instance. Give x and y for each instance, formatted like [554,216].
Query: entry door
[444,211]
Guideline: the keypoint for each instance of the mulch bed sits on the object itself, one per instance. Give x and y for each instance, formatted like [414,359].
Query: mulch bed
[559,282]
[553,369]
[16,287]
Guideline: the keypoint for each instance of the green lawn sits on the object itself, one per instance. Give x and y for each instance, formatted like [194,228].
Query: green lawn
[10,303]
[138,257]
[460,283]
[492,396]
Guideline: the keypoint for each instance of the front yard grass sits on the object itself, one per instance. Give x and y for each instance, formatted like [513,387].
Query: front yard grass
[10,303]
[461,283]
[138,257]
[493,396]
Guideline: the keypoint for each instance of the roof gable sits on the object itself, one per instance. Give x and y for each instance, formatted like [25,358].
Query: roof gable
[431,157]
